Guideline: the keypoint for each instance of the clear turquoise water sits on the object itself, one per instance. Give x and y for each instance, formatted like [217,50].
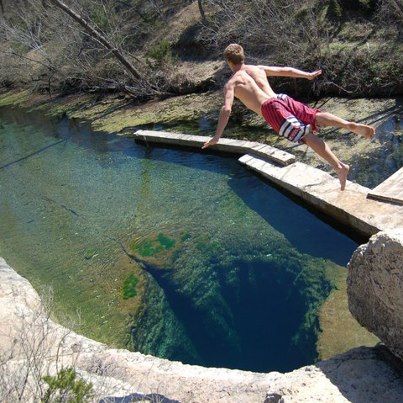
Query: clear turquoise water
[228,271]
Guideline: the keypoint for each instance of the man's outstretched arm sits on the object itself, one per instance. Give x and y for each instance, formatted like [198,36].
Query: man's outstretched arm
[224,114]
[289,72]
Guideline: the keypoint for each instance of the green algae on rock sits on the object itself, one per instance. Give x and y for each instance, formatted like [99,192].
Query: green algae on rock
[14,98]
[152,245]
[129,286]
[338,328]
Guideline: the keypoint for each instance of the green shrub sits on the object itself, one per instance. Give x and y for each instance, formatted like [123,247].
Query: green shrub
[359,5]
[64,387]
[161,52]
[335,10]
[99,18]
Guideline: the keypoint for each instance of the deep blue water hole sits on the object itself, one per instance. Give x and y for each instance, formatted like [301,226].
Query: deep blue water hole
[238,282]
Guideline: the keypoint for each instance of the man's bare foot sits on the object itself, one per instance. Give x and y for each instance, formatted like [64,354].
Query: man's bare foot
[363,130]
[342,173]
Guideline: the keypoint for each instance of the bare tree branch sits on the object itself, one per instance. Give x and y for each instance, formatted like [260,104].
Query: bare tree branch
[100,38]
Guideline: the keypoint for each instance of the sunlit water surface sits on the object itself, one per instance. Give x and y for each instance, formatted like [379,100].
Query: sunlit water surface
[224,270]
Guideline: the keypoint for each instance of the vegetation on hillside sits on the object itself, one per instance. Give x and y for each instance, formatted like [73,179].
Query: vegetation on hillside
[356,43]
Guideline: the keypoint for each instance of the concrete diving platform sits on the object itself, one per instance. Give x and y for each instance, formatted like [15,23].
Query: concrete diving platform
[227,145]
[354,207]
[390,190]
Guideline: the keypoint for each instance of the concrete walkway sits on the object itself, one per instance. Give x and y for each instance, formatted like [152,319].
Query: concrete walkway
[352,207]
[390,190]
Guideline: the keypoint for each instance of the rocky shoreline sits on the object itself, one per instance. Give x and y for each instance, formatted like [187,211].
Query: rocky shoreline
[361,375]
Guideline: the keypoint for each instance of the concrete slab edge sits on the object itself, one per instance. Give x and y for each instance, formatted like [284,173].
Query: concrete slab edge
[227,145]
[312,199]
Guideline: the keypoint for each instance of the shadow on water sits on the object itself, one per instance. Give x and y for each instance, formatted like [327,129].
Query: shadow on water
[32,154]
[192,319]
[300,226]
[270,311]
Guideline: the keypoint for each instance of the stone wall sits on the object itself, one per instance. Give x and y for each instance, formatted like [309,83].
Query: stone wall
[375,288]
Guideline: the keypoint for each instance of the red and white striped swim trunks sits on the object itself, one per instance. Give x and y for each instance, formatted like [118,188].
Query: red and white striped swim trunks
[289,118]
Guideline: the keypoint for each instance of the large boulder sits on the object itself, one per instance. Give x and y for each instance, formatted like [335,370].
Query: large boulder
[375,288]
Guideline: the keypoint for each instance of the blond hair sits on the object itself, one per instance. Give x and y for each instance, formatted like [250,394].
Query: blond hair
[234,53]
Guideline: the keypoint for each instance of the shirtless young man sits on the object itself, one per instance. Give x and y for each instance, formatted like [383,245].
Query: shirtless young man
[289,118]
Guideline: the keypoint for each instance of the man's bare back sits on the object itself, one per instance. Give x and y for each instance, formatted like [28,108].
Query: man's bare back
[251,86]
[259,75]
[247,90]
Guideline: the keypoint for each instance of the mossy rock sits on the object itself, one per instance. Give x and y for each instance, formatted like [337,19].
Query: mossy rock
[187,108]
[13,98]
[165,241]
[129,287]
[152,246]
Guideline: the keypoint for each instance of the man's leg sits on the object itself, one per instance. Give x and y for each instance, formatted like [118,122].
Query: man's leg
[323,150]
[327,119]
[282,114]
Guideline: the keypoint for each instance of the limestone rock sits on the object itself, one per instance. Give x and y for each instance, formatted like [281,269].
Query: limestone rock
[375,287]
[361,375]
[364,374]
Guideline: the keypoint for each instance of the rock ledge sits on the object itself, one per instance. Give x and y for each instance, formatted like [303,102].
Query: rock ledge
[360,375]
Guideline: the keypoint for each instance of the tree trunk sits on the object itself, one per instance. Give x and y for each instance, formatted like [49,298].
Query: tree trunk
[100,38]
[201,9]
[2,6]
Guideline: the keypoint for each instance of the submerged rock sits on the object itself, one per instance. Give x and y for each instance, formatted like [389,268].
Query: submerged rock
[375,288]
[363,374]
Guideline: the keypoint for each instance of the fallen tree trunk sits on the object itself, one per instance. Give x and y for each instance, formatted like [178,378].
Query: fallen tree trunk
[100,38]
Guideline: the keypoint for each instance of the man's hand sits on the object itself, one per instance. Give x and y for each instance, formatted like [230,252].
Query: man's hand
[211,142]
[314,74]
